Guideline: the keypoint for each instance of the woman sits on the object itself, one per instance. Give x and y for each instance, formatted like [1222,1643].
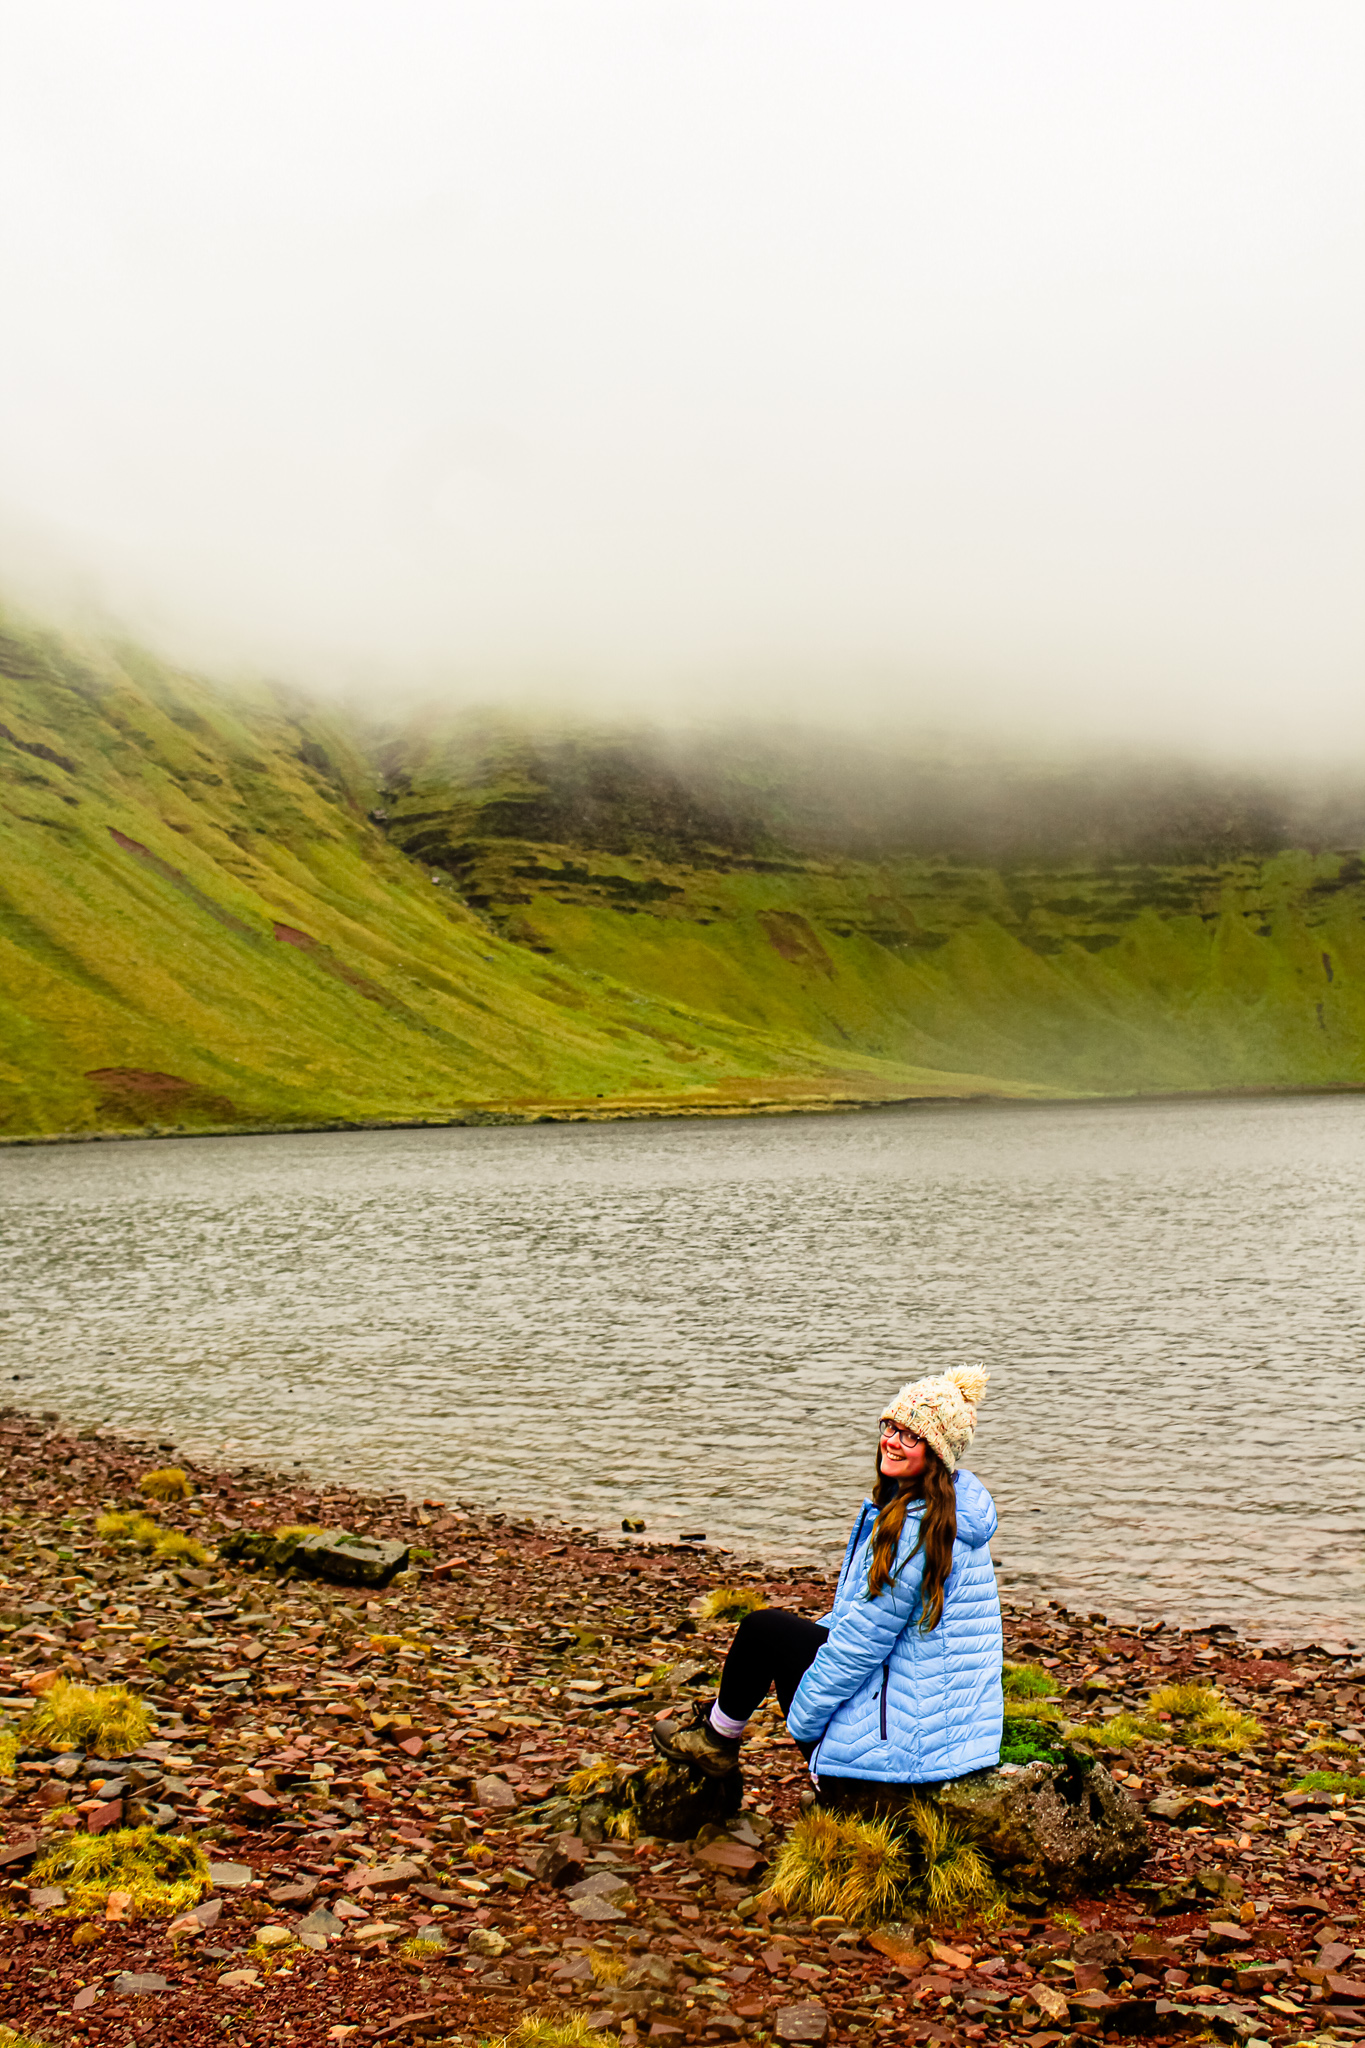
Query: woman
[899,1684]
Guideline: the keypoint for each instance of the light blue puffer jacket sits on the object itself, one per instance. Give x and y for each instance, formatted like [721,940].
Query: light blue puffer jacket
[884,1700]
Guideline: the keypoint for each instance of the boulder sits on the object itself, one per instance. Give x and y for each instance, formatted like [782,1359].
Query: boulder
[333,1554]
[662,1799]
[1056,1829]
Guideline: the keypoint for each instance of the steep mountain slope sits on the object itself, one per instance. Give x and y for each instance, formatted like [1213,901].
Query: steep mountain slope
[233,909]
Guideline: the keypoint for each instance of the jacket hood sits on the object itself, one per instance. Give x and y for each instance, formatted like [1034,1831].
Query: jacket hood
[977,1520]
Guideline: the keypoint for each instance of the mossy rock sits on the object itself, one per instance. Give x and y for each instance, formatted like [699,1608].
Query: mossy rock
[1051,1829]
[661,1799]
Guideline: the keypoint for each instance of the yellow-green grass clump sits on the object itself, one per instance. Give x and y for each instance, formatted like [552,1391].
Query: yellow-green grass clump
[294,1532]
[606,1966]
[594,1777]
[871,1870]
[730,1603]
[1332,1781]
[141,1532]
[1120,1731]
[9,2039]
[1032,1710]
[102,1720]
[537,2031]
[9,1752]
[1028,1682]
[158,1873]
[1205,1718]
[420,1948]
[169,1483]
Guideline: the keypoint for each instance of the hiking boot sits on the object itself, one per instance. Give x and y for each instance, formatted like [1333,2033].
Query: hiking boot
[696,1743]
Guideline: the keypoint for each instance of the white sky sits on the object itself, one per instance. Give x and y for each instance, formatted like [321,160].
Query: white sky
[961,355]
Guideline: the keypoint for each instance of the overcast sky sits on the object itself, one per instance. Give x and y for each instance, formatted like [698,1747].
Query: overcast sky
[954,355]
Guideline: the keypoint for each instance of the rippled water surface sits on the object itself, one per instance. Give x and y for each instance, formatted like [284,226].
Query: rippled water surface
[699,1322]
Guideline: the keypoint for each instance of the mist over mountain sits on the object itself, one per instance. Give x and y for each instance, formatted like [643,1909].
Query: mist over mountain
[245,907]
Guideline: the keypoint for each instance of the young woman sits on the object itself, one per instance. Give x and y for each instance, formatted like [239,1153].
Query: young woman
[899,1684]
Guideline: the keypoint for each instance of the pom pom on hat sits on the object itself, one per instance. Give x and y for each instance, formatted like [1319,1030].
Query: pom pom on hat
[942,1410]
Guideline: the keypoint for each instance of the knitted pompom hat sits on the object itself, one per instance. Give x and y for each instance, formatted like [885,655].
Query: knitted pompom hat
[942,1410]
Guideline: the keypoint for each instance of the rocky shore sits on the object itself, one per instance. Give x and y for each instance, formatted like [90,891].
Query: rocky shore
[389,1786]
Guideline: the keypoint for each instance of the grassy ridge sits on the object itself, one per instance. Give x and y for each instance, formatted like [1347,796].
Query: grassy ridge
[218,910]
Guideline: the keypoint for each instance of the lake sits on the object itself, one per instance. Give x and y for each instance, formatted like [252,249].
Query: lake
[700,1321]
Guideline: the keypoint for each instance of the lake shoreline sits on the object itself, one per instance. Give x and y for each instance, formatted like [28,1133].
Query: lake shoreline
[468,1691]
[666,1112]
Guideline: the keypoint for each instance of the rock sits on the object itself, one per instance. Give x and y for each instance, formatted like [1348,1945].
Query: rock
[1179,1810]
[595,1907]
[383,1877]
[237,1980]
[807,2021]
[632,1525]
[729,1855]
[674,1803]
[333,1554]
[256,1808]
[321,1922]
[486,1941]
[350,1560]
[1224,1935]
[495,1793]
[273,1937]
[1055,1828]
[46,1897]
[1103,1947]
[899,1948]
[132,1984]
[1050,2003]
[650,1973]
[600,1896]
[1187,1771]
[556,1865]
[230,1877]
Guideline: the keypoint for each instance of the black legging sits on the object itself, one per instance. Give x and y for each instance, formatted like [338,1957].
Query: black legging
[770,1648]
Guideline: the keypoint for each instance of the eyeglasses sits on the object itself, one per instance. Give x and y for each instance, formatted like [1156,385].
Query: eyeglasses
[891,1432]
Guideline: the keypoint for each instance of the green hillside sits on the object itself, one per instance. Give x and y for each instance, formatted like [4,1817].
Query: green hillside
[228,909]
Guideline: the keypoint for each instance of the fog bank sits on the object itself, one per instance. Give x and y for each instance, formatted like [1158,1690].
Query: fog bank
[991,367]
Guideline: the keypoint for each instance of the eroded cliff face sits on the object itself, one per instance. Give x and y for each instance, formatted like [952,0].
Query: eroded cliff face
[223,909]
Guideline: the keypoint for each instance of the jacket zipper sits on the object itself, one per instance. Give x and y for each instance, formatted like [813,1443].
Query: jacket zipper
[886,1680]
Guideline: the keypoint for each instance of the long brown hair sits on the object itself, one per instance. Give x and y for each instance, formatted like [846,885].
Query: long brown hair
[937,1533]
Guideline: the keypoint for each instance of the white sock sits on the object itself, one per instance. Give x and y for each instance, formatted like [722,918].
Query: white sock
[725,1724]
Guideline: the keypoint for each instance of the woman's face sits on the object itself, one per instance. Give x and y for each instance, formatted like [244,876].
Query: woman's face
[901,1454]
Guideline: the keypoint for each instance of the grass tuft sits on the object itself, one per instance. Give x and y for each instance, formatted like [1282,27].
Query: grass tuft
[1028,1682]
[141,1532]
[1206,1718]
[1120,1731]
[169,1483]
[103,1720]
[9,2039]
[1331,1781]
[419,1948]
[592,1778]
[873,1870]
[294,1532]
[957,1878]
[9,1753]
[606,1966]
[160,1873]
[536,2031]
[730,1603]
